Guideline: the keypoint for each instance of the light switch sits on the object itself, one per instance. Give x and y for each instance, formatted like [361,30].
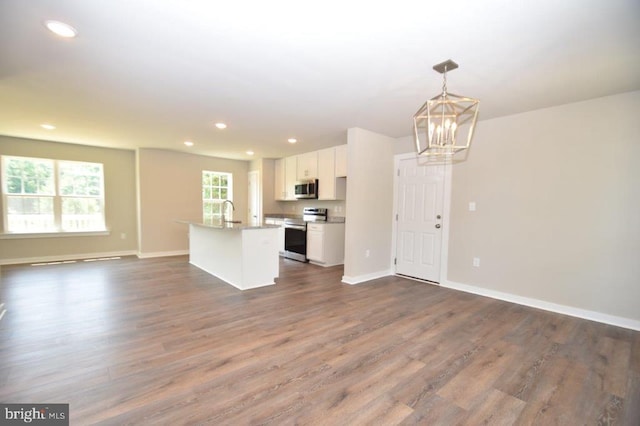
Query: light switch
[472,206]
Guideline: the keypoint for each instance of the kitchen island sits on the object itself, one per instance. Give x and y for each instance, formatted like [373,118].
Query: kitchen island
[244,256]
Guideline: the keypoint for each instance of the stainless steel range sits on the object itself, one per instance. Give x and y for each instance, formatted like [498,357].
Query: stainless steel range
[295,233]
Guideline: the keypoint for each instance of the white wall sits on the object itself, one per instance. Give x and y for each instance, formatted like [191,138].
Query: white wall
[369,205]
[558,206]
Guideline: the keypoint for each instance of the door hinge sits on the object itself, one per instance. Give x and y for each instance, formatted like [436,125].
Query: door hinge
[398,172]
[395,260]
[396,217]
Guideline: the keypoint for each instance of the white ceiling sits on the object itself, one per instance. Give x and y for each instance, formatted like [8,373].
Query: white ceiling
[153,73]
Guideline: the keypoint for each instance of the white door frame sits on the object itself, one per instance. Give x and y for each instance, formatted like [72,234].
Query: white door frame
[446,214]
[258,206]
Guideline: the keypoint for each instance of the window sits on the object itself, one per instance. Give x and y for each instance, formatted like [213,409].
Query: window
[216,188]
[43,195]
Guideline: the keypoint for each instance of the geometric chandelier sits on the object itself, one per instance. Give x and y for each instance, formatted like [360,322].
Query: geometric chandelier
[445,123]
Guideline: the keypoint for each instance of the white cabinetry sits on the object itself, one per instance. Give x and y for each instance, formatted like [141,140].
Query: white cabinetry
[280,191]
[315,242]
[307,166]
[329,188]
[280,223]
[325,243]
[341,161]
[285,178]
[329,166]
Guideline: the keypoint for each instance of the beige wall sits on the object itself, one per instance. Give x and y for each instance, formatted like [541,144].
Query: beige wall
[369,205]
[120,203]
[171,189]
[558,206]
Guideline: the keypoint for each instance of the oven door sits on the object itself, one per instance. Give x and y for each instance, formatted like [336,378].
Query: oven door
[295,242]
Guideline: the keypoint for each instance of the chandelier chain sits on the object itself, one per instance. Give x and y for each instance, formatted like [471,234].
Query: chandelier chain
[444,81]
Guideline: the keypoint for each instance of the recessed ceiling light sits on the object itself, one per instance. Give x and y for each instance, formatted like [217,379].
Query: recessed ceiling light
[221,125]
[61,29]
[47,126]
[292,140]
[250,152]
[188,143]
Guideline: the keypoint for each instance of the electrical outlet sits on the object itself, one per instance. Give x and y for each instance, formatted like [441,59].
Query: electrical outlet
[123,236]
[472,206]
[367,253]
[476,262]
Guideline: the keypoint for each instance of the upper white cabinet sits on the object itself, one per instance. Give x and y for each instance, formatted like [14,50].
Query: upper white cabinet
[291,164]
[341,161]
[308,166]
[329,166]
[280,190]
[285,178]
[329,188]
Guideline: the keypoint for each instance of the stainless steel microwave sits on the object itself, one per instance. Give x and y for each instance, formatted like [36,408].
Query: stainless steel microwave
[307,189]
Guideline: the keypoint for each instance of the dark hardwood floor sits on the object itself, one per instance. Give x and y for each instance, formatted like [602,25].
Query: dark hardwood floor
[158,341]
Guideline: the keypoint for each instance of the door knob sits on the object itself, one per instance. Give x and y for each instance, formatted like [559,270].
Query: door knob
[438,226]
[438,217]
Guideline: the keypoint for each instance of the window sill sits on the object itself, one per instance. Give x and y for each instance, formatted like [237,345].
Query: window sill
[14,236]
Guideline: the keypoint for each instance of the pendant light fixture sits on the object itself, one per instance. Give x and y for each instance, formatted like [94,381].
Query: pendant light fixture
[445,123]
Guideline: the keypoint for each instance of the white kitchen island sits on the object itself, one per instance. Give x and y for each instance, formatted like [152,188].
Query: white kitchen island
[244,256]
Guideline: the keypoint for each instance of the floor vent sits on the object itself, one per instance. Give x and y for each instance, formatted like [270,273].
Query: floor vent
[64,262]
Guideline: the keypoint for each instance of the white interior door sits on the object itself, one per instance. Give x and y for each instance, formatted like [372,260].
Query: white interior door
[419,219]
[254,198]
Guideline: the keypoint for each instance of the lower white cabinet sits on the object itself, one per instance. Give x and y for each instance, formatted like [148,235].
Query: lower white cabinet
[325,243]
[280,223]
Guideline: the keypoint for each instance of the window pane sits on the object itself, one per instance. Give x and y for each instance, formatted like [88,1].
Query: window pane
[80,179]
[14,185]
[94,186]
[215,188]
[29,176]
[31,183]
[82,214]
[30,214]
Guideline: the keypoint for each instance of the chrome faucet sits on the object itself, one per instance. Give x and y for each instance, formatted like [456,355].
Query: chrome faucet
[224,205]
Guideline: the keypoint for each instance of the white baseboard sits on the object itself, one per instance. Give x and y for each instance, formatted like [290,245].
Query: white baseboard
[325,265]
[547,306]
[65,257]
[366,277]
[162,254]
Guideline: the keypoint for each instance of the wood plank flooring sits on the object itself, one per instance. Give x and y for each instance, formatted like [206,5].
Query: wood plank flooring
[158,341]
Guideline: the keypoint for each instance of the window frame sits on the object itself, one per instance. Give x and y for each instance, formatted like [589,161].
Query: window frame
[57,199]
[210,218]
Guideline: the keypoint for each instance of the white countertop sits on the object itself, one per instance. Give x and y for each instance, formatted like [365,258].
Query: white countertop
[228,225]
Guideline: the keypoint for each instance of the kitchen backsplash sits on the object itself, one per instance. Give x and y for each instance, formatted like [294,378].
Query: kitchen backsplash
[336,208]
